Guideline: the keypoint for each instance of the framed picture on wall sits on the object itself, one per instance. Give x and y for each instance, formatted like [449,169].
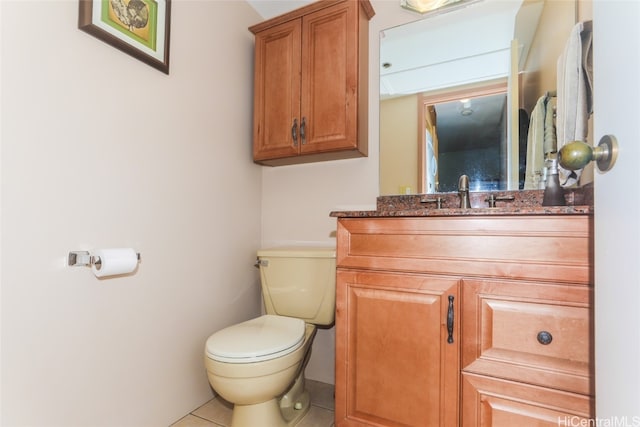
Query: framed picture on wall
[139,28]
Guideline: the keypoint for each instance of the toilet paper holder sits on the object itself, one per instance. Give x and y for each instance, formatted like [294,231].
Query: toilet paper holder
[85,259]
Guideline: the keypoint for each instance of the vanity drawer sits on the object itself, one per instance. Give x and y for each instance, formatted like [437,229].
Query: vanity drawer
[554,249]
[537,333]
[490,401]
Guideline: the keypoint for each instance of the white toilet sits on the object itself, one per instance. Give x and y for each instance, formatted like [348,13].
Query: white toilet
[258,365]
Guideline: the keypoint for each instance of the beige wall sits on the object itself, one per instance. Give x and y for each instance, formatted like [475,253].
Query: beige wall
[556,21]
[399,148]
[539,76]
[101,150]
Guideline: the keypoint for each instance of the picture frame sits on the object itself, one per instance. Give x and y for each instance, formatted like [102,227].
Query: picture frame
[140,28]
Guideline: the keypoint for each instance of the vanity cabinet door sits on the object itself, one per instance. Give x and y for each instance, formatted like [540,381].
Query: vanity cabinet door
[397,349]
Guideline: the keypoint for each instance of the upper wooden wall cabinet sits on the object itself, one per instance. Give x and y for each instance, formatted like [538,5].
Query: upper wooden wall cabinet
[311,83]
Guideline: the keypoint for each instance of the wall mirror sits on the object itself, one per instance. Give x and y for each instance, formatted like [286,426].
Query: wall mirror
[455,90]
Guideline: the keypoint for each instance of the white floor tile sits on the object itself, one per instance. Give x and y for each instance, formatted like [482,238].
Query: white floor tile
[193,421]
[321,394]
[216,410]
[317,417]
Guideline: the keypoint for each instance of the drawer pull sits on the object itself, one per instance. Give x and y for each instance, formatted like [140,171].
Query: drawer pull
[544,337]
[450,320]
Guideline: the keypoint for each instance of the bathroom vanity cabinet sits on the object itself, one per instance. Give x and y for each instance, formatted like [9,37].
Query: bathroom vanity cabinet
[479,320]
[311,83]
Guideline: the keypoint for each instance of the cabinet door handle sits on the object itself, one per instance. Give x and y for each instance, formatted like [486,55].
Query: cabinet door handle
[294,132]
[450,320]
[303,128]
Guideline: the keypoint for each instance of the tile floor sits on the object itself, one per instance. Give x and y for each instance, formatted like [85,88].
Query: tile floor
[217,412]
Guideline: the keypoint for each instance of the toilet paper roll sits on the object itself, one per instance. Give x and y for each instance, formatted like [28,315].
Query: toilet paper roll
[114,261]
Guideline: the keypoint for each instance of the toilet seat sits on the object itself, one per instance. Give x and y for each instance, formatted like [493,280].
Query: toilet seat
[263,338]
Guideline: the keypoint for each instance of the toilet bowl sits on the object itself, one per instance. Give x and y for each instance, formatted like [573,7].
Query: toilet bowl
[258,365]
[267,390]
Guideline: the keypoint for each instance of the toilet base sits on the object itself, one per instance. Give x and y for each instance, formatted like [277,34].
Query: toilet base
[296,401]
[261,414]
[284,412]
[270,414]
[267,414]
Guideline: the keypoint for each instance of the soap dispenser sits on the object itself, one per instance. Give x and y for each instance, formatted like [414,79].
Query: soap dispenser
[553,192]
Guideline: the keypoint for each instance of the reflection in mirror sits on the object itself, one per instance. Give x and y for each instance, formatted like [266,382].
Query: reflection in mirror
[491,50]
[464,135]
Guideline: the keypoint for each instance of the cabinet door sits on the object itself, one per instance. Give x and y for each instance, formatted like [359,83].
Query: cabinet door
[330,79]
[396,361]
[500,403]
[277,92]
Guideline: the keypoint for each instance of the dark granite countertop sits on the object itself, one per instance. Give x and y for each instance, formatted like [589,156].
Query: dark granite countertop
[504,211]
[528,202]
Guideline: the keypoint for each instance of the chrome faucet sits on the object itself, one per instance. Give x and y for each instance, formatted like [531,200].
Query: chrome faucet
[463,191]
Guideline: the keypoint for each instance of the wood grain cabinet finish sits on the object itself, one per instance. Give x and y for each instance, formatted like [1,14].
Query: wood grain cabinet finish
[311,83]
[529,332]
[489,401]
[522,351]
[397,362]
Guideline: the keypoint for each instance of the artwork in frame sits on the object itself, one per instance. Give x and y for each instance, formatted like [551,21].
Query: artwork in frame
[139,28]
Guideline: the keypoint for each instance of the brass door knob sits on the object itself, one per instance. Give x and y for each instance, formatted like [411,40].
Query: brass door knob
[577,154]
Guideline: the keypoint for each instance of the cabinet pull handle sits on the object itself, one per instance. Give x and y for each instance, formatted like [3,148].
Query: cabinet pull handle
[545,337]
[294,132]
[450,320]
[303,127]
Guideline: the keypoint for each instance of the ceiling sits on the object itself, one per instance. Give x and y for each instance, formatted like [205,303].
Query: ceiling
[270,8]
[481,124]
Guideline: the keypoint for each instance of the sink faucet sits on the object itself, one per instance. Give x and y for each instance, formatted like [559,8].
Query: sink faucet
[463,191]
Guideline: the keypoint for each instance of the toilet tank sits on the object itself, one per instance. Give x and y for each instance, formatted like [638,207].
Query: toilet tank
[299,282]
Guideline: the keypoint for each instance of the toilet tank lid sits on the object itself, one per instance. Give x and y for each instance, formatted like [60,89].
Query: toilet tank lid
[263,338]
[299,252]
